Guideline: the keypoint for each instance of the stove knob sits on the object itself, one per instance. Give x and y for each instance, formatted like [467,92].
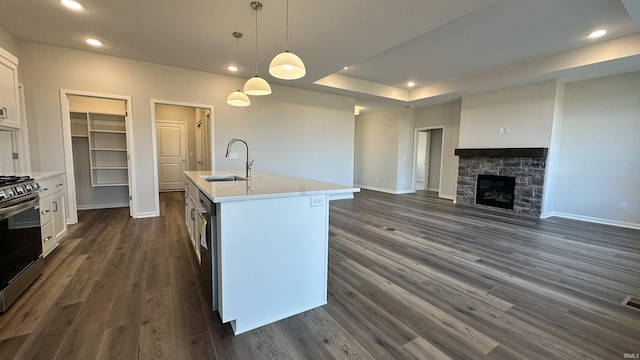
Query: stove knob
[19,190]
[2,195]
[9,192]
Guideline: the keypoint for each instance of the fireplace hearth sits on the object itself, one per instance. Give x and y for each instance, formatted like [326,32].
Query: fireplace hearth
[526,166]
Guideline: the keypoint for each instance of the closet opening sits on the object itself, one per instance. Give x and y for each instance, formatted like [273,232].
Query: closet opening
[98,148]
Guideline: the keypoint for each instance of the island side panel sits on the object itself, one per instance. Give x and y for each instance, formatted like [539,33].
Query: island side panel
[272,259]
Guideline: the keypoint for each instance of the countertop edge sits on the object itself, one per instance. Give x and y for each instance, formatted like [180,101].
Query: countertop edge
[334,191]
[41,175]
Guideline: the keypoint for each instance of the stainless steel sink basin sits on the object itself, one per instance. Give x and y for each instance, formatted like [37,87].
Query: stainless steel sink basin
[215,178]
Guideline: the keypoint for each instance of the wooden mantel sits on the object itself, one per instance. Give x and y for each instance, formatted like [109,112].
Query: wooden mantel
[503,152]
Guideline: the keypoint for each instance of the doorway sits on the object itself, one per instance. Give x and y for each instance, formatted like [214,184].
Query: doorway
[428,155]
[98,149]
[182,141]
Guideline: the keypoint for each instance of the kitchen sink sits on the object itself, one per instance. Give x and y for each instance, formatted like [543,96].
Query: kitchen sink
[215,178]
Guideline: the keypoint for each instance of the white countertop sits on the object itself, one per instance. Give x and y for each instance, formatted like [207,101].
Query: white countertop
[39,175]
[265,185]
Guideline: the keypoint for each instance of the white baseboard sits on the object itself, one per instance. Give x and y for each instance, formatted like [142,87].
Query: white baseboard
[145,215]
[448,197]
[102,206]
[389,191]
[591,219]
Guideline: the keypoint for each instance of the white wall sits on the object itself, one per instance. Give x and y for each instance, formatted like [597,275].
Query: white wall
[526,110]
[406,126]
[599,164]
[447,115]
[8,41]
[293,131]
[384,149]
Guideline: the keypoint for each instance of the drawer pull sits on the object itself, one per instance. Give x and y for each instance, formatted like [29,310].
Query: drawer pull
[45,211]
[44,189]
[48,238]
[55,206]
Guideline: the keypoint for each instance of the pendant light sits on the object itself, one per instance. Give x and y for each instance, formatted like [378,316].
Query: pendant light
[238,98]
[287,65]
[257,86]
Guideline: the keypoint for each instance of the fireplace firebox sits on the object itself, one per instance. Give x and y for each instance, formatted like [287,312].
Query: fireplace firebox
[496,191]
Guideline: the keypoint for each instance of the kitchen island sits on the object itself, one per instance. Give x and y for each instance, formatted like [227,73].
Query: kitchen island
[269,244]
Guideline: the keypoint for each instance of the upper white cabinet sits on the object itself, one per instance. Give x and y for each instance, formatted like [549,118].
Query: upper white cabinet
[9,93]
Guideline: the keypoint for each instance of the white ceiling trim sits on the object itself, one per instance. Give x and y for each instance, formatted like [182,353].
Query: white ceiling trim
[544,68]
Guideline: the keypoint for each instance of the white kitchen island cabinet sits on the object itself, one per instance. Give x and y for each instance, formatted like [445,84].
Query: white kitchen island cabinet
[271,245]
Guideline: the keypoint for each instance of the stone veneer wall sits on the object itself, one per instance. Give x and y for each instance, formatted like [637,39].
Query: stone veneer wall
[528,171]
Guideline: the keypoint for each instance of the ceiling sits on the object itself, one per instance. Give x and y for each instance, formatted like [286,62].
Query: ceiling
[449,48]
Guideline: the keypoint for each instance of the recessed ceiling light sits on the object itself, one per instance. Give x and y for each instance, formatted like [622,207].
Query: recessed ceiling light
[71,4]
[411,84]
[232,68]
[596,34]
[94,42]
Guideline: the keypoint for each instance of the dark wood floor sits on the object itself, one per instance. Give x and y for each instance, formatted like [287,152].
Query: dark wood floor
[410,277]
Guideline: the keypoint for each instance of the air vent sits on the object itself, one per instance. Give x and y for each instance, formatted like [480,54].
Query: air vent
[632,301]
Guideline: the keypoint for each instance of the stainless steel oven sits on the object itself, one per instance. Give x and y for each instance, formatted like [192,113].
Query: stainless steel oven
[20,237]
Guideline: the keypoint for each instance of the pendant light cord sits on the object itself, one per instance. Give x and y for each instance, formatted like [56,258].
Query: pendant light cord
[237,35]
[256,41]
[287,28]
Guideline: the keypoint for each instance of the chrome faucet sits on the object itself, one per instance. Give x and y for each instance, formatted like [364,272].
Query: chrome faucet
[249,163]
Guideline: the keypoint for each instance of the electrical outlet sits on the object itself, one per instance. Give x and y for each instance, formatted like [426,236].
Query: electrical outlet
[233,155]
[377,179]
[500,130]
[623,206]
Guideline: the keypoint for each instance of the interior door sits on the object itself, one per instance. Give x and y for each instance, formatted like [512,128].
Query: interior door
[172,154]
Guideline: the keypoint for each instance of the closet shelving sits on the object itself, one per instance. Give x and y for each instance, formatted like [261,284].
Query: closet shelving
[107,138]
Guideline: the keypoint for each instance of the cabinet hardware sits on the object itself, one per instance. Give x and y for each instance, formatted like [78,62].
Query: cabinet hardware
[55,206]
[48,238]
[44,212]
[45,189]
[3,112]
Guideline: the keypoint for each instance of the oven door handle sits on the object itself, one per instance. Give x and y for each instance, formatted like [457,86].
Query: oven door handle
[12,210]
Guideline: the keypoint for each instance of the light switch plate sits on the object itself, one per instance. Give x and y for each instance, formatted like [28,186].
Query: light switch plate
[317,201]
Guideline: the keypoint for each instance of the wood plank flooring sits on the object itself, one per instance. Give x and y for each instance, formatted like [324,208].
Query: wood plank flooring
[410,277]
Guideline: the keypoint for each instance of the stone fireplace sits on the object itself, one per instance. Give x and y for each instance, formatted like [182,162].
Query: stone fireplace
[526,165]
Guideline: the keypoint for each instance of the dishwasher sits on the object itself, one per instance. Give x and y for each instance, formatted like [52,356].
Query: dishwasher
[208,272]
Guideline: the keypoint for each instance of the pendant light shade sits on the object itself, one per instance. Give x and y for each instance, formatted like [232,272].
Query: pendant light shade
[238,98]
[256,86]
[287,65]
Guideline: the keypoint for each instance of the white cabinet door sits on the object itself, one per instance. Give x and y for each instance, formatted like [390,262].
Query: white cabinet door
[9,94]
[59,215]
